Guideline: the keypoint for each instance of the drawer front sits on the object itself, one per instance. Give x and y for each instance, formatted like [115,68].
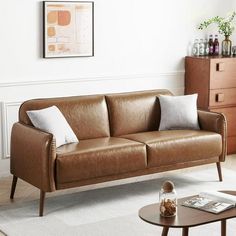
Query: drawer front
[230,114]
[223,73]
[222,97]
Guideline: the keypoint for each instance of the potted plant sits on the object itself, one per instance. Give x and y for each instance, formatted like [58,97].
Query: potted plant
[225,27]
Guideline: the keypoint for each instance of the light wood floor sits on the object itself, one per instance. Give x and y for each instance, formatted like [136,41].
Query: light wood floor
[26,192]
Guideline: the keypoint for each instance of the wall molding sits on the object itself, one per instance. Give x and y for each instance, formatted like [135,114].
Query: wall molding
[4,133]
[6,127]
[95,78]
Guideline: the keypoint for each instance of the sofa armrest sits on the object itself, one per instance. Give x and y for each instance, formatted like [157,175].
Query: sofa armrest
[215,122]
[33,156]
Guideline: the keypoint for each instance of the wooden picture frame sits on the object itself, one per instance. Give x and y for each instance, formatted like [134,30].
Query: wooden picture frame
[68,29]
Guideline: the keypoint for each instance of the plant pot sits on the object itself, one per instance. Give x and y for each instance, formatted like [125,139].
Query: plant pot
[226,47]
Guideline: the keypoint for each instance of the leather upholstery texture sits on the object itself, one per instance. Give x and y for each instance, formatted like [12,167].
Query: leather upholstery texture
[215,122]
[33,154]
[87,115]
[119,138]
[176,146]
[134,112]
[99,157]
[146,171]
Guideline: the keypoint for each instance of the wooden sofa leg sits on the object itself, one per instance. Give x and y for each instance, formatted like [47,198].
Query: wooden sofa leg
[219,171]
[41,204]
[13,186]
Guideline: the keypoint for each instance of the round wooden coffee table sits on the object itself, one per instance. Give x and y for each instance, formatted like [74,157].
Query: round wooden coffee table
[186,217]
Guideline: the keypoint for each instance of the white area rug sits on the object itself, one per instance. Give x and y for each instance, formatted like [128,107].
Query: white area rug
[112,211]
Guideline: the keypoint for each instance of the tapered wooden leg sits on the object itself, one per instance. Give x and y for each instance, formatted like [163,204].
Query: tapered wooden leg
[165,231]
[185,231]
[219,171]
[13,186]
[41,205]
[223,228]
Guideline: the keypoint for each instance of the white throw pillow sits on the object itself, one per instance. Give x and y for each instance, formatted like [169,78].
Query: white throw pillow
[52,121]
[178,112]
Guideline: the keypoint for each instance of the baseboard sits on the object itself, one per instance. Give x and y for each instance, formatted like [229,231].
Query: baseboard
[4,168]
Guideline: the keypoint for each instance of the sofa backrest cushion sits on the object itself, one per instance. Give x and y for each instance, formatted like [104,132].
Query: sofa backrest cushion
[134,112]
[87,115]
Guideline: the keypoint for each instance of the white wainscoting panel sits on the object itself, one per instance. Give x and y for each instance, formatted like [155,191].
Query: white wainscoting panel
[9,117]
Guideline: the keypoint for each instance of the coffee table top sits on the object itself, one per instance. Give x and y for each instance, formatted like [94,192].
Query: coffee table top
[185,217]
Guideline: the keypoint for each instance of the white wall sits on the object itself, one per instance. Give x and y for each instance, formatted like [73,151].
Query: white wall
[233,7]
[138,45]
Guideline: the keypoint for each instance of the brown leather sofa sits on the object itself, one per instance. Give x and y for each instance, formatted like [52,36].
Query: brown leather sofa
[119,138]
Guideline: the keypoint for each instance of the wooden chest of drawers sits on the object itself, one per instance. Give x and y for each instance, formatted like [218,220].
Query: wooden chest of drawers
[214,79]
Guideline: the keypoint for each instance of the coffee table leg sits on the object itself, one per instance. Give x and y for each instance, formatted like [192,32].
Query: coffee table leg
[165,231]
[223,228]
[185,231]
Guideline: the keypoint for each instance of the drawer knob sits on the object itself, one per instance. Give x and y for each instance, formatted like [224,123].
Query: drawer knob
[220,97]
[220,66]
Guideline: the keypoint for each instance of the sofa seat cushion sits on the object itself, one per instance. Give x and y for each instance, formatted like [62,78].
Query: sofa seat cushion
[94,158]
[178,146]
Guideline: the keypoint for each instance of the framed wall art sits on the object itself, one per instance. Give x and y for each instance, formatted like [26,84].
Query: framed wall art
[68,29]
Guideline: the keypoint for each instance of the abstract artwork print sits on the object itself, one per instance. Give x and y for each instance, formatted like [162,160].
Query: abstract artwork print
[68,29]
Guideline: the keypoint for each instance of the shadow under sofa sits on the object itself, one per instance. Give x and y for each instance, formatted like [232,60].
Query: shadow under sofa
[118,138]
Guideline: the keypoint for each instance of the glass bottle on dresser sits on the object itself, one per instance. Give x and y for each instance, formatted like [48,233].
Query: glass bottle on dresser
[216,46]
[211,45]
[206,45]
[195,49]
[201,48]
